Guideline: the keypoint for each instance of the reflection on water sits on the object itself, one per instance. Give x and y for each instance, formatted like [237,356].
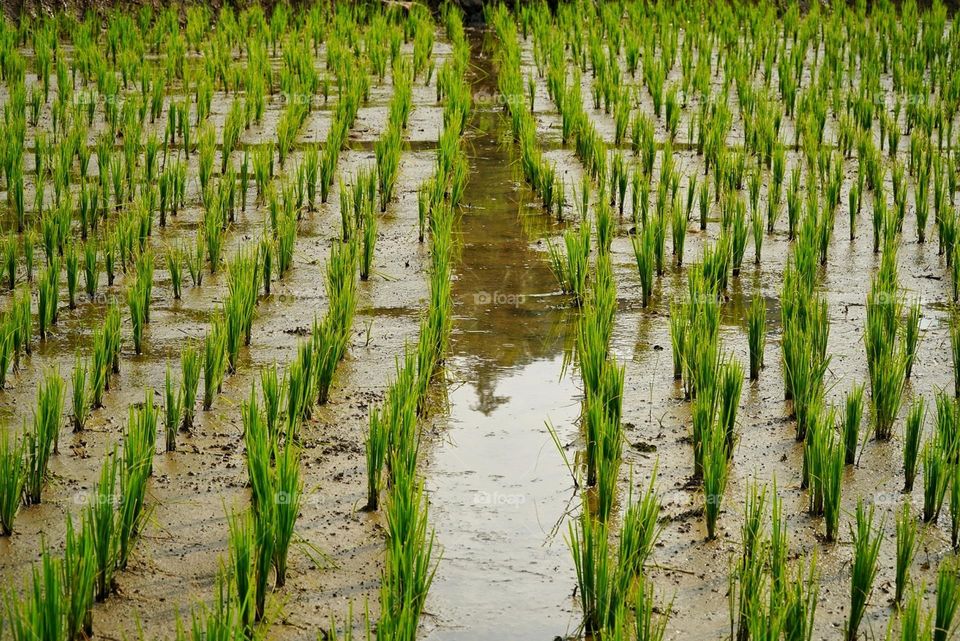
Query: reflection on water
[499,490]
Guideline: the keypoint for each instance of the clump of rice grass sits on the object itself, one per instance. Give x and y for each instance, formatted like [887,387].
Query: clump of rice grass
[81,408]
[852,417]
[756,333]
[287,493]
[863,571]
[214,362]
[906,548]
[72,263]
[12,478]
[948,600]
[80,568]
[175,268]
[570,267]
[136,466]
[913,430]
[172,410]
[715,473]
[99,512]
[911,336]
[935,479]
[643,250]
[678,334]
[43,440]
[955,509]
[376,452]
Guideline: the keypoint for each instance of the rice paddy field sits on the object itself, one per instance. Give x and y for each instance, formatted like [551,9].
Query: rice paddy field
[618,320]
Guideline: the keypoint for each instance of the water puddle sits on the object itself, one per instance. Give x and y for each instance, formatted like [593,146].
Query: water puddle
[499,490]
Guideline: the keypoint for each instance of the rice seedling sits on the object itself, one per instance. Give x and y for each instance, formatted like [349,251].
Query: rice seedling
[678,334]
[136,301]
[369,240]
[242,548]
[81,408]
[948,600]
[136,466]
[852,417]
[287,493]
[172,410]
[12,478]
[955,509]
[43,439]
[643,250]
[935,479]
[756,333]
[906,548]
[863,571]
[41,613]
[715,473]
[214,363]
[911,336]
[913,430]
[175,268]
[376,452]
[679,232]
[80,567]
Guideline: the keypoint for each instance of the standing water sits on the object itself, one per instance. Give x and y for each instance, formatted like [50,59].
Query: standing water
[499,490]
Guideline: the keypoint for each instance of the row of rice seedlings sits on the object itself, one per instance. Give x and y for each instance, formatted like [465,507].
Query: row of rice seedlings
[409,568]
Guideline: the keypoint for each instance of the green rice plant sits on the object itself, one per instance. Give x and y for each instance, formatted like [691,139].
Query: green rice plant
[72,262]
[29,243]
[135,468]
[287,493]
[570,268]
[913,430]
[214,362]
[715,473]
[242,550]
[10,249]
[915,621]
[41,613]
[729,387]
[589,543]
[679,228]
[48,295]
[955,508]
[369,241]
[80,568]
[643,250]
[172,410]
[852,416]
[955,350]
[906,548]
[91,269]
[911,336]
[194,261]
[189,382]
[81,408]
[866,548]
[831,482]
[12,478]
[138,314]
[648,627]
[376,453]
[756,333]
[948,600]
[739,234]
[935,479]
[43,440]
[678,334]
[175,267]
[99,513]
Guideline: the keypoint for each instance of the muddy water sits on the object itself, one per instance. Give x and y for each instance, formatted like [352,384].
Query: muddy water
[499,490]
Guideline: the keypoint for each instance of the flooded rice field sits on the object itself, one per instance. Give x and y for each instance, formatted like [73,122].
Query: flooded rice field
[616,320]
